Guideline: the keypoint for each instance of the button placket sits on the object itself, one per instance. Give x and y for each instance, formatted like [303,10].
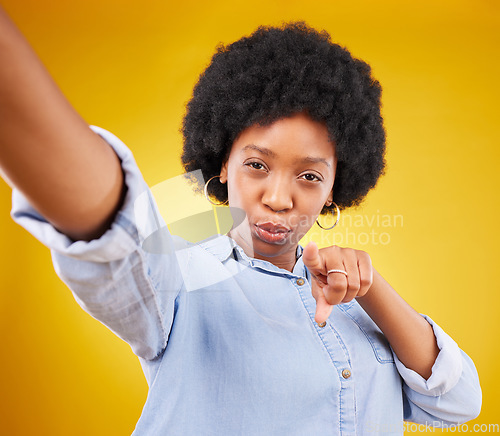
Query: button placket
[300,282]
[337,351]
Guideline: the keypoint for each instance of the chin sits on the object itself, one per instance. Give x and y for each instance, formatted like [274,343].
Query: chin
[270,249]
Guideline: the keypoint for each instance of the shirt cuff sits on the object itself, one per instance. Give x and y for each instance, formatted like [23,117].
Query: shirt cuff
[446,370]
[119,240]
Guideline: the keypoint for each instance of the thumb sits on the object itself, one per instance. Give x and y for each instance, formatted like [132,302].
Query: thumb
[311,257]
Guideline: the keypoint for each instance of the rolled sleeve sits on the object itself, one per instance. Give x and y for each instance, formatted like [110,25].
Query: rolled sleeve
[446,370]
[128,289]
[451,395]
[117,242]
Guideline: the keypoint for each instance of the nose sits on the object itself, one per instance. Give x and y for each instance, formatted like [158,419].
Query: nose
[278,194]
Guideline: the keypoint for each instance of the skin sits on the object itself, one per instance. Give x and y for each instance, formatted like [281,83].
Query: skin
[269,178]
[47,151]
[284,173]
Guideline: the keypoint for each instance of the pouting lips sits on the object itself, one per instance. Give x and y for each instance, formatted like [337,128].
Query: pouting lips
[275,234]
[273,228]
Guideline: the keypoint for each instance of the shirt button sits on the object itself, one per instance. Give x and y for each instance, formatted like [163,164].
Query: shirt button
[346,373]
[300,282]
[321,324]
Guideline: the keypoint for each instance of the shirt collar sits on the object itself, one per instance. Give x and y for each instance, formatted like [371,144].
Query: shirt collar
[222,246]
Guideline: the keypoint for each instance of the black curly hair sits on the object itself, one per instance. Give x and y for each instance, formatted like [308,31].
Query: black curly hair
[277,72]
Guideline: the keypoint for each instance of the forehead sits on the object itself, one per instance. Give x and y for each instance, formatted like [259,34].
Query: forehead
[294,136]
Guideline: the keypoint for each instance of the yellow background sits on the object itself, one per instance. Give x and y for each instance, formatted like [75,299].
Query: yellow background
[130,66]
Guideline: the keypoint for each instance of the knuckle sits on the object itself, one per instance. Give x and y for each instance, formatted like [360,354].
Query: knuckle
[362,293]
[354,286]
[365,255]
[338,287]
[347,299]
[365,282]
[334,300]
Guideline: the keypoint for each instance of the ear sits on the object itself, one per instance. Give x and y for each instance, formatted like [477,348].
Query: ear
[223,173]
[329,200]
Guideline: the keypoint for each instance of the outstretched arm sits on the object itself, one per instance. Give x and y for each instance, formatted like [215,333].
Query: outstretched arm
[47,151]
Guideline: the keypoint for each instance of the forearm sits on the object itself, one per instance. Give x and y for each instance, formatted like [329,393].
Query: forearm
[410,335]
[47,150]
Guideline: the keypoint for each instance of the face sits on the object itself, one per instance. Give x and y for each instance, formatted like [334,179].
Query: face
[281,176]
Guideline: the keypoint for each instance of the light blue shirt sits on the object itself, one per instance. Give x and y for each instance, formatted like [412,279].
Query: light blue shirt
[228,343]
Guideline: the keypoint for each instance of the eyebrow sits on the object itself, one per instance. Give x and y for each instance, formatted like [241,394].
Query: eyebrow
[270,153]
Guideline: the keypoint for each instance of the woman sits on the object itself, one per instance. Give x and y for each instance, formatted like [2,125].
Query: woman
[244,333]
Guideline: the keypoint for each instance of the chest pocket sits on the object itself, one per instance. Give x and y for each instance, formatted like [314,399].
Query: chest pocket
[373,334]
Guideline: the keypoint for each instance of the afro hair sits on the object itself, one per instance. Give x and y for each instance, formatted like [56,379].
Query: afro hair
[277,72]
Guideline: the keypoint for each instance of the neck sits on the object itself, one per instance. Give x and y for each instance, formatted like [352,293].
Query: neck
[285,260]
[285,263]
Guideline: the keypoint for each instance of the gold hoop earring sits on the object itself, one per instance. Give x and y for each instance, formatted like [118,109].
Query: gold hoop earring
[338,217]
[205,190]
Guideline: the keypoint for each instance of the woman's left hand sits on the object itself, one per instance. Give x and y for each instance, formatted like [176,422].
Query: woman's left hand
[334,288]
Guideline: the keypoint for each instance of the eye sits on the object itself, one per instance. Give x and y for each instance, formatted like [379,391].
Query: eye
[310,177]
[255,165]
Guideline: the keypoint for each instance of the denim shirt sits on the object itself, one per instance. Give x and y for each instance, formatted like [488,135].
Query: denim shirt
[228,343]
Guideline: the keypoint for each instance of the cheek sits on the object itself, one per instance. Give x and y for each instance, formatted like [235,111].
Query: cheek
[240,192]
[305,219]
[312,200]
[309,208]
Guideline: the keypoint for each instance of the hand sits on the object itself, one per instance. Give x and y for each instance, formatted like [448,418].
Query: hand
[334,288]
